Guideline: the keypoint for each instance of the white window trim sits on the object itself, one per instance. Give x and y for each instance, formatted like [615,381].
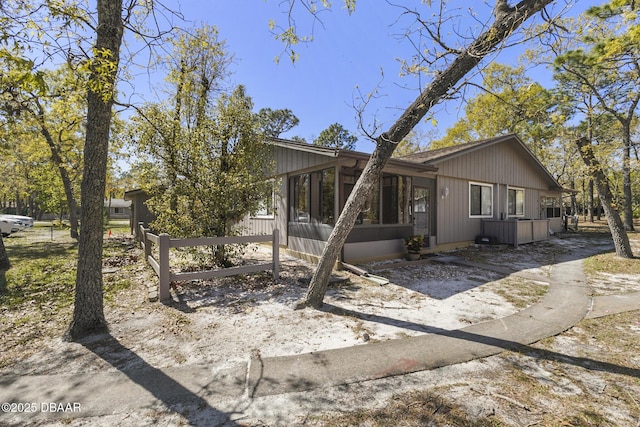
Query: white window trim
[482,184]
[273,204]
[524,202]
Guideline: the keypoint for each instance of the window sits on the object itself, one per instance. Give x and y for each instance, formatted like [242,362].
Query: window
[396,199]
[371,211]
[266,209]
[326,197]
[515,202]
[312,197]
[551,207]
[480,200]
[299,200]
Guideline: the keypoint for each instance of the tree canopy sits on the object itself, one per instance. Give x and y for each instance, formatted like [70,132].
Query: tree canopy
[336,136]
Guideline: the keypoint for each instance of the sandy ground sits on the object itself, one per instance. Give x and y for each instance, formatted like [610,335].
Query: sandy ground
[221,322]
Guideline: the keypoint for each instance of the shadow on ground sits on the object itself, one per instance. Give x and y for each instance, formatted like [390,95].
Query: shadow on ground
[174,396]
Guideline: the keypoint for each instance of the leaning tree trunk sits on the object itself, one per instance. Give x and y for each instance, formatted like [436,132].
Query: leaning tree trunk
[88,313]
[618,233]
[507,19]
[64,175]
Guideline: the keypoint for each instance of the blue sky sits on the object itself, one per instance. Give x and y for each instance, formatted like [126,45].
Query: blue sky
[348,51]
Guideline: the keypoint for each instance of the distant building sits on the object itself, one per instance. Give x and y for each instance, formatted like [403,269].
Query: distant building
[118,208]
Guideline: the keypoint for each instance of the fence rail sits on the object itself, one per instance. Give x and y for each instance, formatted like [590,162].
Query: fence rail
[164,242]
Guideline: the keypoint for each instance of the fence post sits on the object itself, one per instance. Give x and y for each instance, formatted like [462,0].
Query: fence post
[275,253]
[140,232]
[144,242]
[165,272]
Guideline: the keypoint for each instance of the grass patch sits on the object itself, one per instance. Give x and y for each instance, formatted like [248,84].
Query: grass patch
[612,264]
[418,408]
[520,292]
[41,273]
[37,292]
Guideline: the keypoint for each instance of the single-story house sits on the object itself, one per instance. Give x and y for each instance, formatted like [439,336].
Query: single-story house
[118,208]
[494,188]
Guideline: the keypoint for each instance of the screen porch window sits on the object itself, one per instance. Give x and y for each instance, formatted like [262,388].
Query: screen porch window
[396,199]
[312,197]
[299,200]
[480,200]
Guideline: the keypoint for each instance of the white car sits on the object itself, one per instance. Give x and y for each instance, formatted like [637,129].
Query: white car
[24,221]
[8,226]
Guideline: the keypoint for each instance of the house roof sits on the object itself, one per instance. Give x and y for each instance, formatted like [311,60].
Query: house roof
[117,203]
[434,157]
[349,154]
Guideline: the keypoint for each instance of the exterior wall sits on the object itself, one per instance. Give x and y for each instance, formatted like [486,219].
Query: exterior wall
[454,224]
[288,160]
[355,253]
[501,165]
[265,225]
[120,213]
[498,163]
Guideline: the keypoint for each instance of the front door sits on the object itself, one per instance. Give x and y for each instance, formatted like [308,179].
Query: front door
[421,209]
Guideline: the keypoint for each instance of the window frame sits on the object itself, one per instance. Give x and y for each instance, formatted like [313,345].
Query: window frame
[491,189]
[295,191]
[516,214]
[259,213]
[555,206]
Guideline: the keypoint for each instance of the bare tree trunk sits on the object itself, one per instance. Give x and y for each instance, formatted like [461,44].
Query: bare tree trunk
[574,200]
[88,313]
[507,20]
[626,180]
[618,233]
[590,208]
[5,264]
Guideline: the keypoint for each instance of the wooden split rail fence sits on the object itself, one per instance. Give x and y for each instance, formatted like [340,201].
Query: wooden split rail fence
[164,242]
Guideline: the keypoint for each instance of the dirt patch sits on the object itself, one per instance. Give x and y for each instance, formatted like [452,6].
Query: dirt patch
[572,379]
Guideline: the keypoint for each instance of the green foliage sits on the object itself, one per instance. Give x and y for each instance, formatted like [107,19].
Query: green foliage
[511,103]
[43,139]
[414,243]
[204,163]
[415,142]
[42,274]
[335,136]
[275,122]
[221,173]
[290,36]
[597,75]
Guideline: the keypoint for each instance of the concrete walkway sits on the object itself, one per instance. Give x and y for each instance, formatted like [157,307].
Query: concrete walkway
[120,392]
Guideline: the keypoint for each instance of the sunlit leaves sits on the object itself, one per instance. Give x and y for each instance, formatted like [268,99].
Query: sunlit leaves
[102,69]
